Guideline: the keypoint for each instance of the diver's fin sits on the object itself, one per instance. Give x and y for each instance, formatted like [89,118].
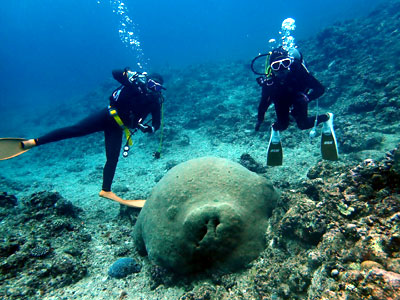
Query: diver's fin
[329,149]
[274,152]
[130,203]
[11,147]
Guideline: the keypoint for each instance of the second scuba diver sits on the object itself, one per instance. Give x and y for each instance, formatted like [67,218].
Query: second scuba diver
[138,96]
[290,87]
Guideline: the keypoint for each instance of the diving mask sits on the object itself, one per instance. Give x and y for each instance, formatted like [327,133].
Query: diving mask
[285,63]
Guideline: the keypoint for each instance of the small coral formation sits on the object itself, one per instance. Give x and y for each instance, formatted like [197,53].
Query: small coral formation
[44,246]
[206,213]
[123,267]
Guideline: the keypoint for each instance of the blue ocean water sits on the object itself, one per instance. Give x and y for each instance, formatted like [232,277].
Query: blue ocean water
[52,50]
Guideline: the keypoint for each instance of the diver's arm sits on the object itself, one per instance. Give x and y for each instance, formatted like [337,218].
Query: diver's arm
[316,88]
[155,119]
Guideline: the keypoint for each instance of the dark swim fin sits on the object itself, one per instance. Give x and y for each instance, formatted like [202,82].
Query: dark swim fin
[274,152]
[329,149]
[11,147]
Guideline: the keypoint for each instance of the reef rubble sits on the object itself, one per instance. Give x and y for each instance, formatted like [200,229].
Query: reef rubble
[43,247]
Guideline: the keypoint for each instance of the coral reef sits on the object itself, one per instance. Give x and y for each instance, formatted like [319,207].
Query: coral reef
[331,237]
[7,201]
[206,213]
[43,246]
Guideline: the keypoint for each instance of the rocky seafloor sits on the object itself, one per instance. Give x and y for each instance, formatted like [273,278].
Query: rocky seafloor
[334,234]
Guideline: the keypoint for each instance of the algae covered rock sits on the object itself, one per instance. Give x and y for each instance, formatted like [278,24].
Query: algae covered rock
[123,267]
[206,213]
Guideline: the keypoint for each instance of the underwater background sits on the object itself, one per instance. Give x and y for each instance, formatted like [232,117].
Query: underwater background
[335,232]
[57,49]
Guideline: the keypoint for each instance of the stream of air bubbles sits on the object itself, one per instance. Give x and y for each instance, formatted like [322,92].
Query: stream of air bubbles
[128,32]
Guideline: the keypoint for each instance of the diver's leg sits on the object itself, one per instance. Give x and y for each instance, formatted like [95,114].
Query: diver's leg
[282,114]
[300,113]
[93,123]
[28,144]
[113,142]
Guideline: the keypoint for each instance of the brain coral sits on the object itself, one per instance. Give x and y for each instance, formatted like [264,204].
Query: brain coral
[205,214]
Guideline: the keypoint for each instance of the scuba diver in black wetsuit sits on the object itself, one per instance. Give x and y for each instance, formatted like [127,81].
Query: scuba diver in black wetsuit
[288,84]
[138,96]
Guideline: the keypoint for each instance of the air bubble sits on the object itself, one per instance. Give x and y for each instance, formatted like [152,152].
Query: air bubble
[127,31]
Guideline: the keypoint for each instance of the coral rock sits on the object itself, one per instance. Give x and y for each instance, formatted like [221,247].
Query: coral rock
[394,265]
[206,213]
[390,279]
[369,264]
[7,201]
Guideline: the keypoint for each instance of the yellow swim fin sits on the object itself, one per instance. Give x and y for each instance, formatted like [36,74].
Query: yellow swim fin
[11,147]
[130,203]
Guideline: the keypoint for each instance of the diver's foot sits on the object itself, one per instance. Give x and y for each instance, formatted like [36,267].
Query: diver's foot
[327,127]
[28,144]
[275,137]
[110,195]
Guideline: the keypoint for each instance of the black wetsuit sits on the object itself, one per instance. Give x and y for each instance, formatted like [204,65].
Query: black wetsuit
[293,91]
[132,104]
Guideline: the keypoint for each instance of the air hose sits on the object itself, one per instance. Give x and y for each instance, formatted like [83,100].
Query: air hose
[313,132]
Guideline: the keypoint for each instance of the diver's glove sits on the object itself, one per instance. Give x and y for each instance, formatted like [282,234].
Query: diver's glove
[257,128]
[146,128]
